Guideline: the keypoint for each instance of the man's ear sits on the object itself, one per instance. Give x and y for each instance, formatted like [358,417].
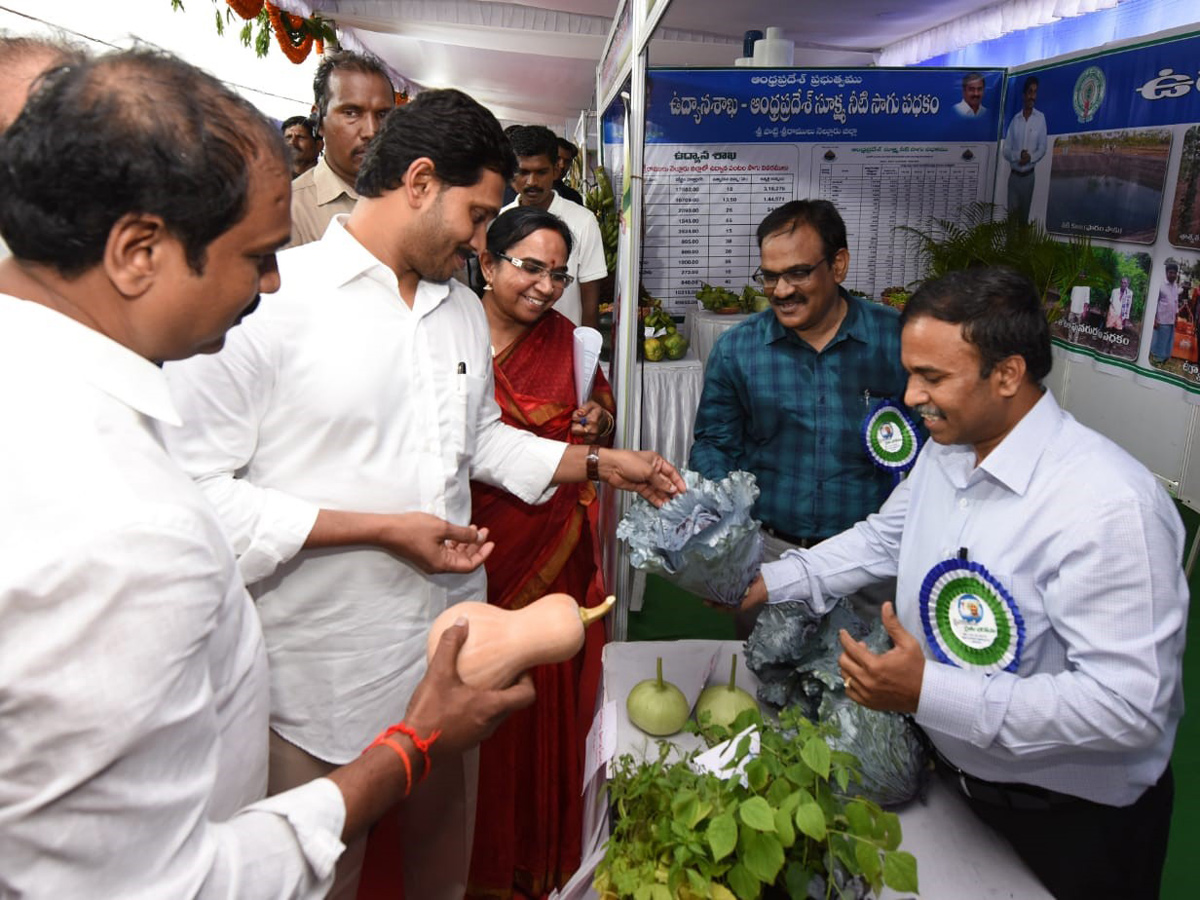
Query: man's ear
[137,247]
[420,181]
[1009,374]
[840,265]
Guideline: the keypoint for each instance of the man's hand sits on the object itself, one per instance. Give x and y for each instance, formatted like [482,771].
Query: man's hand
[643,471]
[433,544]
[464,715]
[891,681]
[756,594]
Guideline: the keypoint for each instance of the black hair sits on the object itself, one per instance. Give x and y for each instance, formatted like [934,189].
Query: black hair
[821,215]
[306,121]
[564,144]
[460,136]
[973,76]
[516,224]
[1000,313]
[344,61]
[1030,81]
[535,140]
[139,131]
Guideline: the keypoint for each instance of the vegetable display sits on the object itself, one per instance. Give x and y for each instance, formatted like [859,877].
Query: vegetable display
[503,643]
[719,299]
[721,704]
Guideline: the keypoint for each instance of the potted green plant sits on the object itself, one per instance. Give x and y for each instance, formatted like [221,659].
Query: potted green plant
[788,827]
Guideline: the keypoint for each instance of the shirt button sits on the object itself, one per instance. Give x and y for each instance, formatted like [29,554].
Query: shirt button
[963,503]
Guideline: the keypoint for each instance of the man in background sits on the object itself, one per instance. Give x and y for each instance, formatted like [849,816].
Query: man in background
[971,105]
[352,94]
[302,140]
[1166,311]
[786,392]
[1023,148]
[1119,305]
[566,158]
[536,148]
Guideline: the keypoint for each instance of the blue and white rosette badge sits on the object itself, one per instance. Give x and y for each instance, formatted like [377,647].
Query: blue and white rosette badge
[891,438]
[970,619]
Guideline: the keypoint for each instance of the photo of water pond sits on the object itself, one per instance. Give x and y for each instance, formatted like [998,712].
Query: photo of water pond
[1184,230]
[1109,184]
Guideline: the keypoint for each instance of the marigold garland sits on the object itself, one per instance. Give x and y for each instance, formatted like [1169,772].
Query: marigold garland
[247,9]
[290,33]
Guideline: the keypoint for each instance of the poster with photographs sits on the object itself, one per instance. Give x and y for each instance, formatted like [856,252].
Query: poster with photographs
[1185,211]
[1172,317]
[1109,184]
[1105,316]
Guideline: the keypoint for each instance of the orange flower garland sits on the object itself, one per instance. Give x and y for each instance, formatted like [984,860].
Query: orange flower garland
[290,32]
[247,9]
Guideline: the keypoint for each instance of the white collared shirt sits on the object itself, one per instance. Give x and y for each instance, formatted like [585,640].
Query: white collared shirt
[133,683]
[1025,134]
[1089,546]
[335,394]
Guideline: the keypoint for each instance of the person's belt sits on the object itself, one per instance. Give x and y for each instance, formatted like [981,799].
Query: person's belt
[1008,795]
[1017,174]
[803,542]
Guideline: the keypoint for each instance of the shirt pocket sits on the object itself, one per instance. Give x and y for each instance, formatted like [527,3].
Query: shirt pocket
[466,399]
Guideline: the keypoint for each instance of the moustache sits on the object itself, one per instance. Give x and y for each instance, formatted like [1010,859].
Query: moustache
[929,411]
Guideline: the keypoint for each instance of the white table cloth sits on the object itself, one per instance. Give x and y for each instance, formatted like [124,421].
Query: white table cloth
[670,396]
[703,328]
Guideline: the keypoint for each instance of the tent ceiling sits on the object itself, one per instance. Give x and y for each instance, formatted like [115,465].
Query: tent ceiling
[537,63]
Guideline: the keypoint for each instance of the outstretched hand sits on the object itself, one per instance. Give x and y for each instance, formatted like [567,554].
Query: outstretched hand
[463,714]
[435,545]
[644,472]
[891,681]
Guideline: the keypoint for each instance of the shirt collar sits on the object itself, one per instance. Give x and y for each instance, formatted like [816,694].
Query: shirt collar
[346,259]
[329,185]
[1014,459]
[92,357]
[852,325]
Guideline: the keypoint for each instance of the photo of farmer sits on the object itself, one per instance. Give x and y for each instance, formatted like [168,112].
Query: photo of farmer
[1184,230]
[1105,315]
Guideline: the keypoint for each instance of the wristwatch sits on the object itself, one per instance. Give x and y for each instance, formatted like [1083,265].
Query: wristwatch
[593,463]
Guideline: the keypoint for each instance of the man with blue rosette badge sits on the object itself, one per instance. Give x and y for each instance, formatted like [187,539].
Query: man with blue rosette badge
[1044,669]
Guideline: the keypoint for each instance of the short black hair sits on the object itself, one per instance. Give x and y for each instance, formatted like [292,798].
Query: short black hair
[344,61]
[138,131]
[460,136]
[1030,81]
[516,224]
[292,121]
[1000,313]
[535,140]
[821,215]
[973,76]
[564,144]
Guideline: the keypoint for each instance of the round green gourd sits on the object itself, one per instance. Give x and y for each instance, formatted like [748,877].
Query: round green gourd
[723,703]
[657,707]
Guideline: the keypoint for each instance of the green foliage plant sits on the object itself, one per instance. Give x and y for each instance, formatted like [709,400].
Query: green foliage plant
[984,237]
[787,828]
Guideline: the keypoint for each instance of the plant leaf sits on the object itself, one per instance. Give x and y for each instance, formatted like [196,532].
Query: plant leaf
[816,753]
[900,870]
[763,856]
[757,813]
[887,830]
[859,818]
[756,775]
[722,836]
[810,820]
[796,878]
[744,884]
[720,892]
[868,859]
[784,828]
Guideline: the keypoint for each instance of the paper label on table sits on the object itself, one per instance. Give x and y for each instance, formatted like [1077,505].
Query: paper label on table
[601,740]
[717,760]
[587,354]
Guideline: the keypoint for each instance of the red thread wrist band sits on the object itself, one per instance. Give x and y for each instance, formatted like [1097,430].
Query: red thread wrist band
[422,744]
[403,754]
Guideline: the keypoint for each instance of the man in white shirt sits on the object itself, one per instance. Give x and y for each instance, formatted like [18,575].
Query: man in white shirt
[352,93]
[1024,146]
[1119,304]
[133,682]
[536,148]
[971,105]
[358,399]
[1045,669]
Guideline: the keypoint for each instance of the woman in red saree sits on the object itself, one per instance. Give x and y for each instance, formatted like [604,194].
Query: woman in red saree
[528,817]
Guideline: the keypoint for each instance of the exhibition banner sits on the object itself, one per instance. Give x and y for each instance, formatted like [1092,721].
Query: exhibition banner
[889,147]
[1108,147]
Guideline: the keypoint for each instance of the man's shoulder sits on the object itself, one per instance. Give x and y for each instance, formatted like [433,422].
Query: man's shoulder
[304,182]
[574,214]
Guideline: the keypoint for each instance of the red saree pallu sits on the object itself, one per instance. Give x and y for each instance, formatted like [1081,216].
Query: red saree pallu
[528,817]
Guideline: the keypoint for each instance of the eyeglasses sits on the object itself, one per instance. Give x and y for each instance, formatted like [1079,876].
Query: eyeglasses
[796,277]
[537,270]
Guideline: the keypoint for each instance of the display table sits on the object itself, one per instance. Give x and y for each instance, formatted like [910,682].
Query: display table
[703,328]
[957,855]
[670,396]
